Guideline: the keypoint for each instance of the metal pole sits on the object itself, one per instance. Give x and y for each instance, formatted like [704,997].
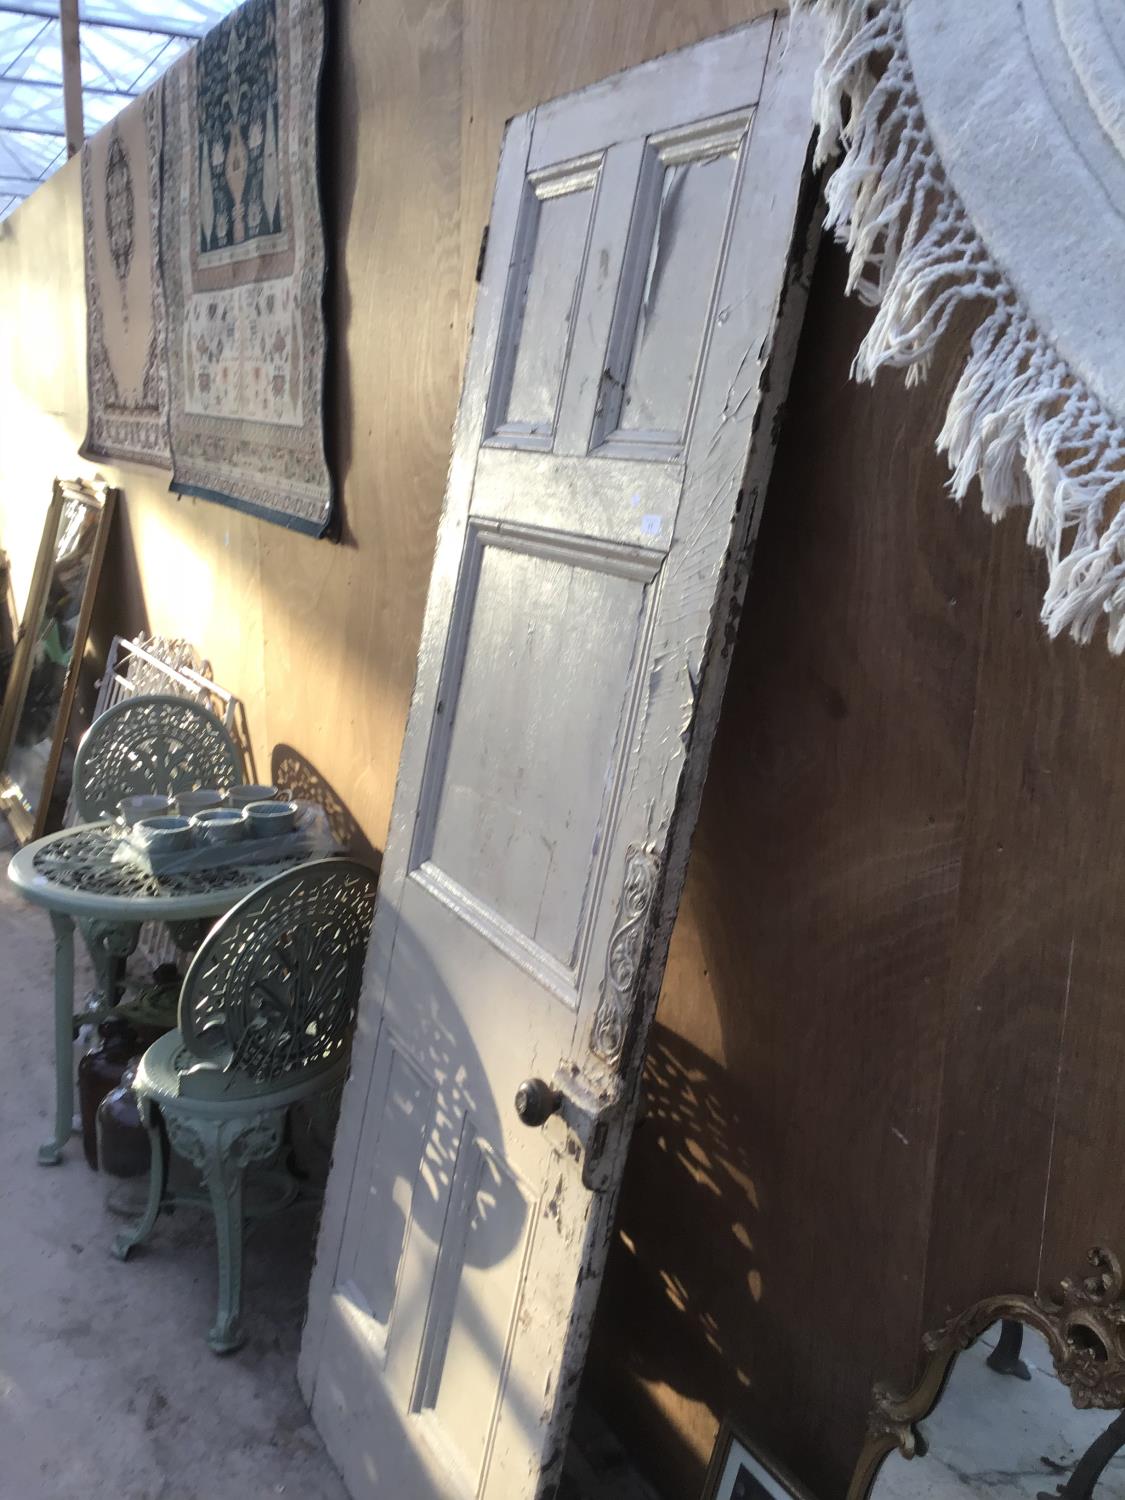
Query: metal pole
[72,75]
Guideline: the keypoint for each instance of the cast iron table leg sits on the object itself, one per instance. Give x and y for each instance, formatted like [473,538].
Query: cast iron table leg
[1090,1467]
[51,1154]
[110,944]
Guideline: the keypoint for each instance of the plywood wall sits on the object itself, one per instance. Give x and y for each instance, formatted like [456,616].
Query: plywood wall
[320,639]
[885,1074]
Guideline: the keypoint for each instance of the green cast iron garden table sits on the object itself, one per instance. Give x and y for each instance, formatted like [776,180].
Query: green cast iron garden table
[74,876]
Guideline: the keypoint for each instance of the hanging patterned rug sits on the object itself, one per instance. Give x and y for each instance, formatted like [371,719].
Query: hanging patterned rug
[983,163]
[126,323]
[244,259]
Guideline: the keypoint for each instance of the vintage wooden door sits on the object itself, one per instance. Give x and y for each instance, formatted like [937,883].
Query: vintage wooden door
[640,297]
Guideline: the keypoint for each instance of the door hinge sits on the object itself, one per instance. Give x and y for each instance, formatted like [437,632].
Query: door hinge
[482,252]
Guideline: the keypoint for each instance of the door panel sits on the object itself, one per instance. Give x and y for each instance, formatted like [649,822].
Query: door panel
[379,1228]
[551,622]
[475,1297]
[678,241]
[550,260]
[628,346]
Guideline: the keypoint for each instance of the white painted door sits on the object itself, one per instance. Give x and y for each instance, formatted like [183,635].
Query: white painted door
[613,440]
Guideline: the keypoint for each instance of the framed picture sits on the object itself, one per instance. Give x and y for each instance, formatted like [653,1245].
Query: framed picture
[740,1471]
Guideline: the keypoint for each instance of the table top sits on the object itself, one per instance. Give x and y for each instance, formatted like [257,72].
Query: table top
[74,872]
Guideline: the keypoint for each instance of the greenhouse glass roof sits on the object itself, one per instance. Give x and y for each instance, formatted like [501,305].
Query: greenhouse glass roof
[124,45]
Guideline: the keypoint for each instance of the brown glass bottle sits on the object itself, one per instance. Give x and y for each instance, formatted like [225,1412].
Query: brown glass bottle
[123,1146]
[98,1072]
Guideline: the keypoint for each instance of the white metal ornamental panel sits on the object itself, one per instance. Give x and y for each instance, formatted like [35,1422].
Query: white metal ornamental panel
[633,337]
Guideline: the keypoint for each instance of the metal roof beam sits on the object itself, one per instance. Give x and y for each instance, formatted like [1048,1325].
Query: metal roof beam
[49,13]
[56,85]
[25,49]
[31,130]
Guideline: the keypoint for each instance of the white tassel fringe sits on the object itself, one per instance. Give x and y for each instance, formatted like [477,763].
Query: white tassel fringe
[1020,420]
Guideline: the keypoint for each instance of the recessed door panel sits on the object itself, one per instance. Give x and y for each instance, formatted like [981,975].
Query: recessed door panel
[542,293]
[677,248]
[385,1189]
[472,1310]
[521,782]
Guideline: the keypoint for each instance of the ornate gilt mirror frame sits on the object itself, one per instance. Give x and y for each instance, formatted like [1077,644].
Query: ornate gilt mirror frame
[78,518]
[1084,1329]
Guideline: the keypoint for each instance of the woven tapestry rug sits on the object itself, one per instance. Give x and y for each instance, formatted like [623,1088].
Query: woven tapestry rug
[242,248]
[982,172]
[126,322]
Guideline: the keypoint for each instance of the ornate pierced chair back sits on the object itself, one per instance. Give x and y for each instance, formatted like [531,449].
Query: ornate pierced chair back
[272,992]
[154,743]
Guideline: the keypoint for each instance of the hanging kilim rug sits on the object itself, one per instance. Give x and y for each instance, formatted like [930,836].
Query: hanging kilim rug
[983,166]
[244,260]
[127,378]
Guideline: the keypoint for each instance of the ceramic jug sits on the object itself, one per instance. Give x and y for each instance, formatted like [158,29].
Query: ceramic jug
[98,1072]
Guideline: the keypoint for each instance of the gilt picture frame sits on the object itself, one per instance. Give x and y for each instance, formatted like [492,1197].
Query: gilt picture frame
[740,1470]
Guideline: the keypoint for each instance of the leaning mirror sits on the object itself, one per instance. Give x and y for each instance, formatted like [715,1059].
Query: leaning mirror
[1020,1399]
[43,679]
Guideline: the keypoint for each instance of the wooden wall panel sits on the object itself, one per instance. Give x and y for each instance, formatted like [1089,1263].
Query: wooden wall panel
[885,1072]
[343,621]
[1037,1032]
[1012,960]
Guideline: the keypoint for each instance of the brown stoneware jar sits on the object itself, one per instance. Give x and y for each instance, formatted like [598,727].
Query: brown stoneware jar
[123,1147]
[98,1072]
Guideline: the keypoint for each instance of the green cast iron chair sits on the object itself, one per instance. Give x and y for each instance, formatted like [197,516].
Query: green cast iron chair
[156,743]
[152,743]
[265,1019]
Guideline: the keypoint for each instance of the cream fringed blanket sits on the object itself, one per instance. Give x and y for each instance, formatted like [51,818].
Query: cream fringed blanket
[984,162]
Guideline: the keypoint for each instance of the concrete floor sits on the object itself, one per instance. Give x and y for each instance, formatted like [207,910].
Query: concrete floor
[107,1389]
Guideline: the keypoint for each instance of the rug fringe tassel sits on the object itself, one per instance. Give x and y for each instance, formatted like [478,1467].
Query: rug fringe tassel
[1020,421]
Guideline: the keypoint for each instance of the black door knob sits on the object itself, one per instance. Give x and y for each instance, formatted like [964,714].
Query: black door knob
[536,1101]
